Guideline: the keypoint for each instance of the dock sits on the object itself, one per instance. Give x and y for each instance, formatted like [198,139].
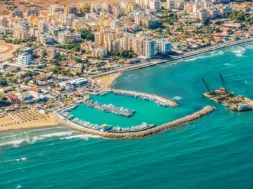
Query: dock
[109,108]
[160,101]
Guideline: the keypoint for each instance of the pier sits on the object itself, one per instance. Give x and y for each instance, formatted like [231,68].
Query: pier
[109,108]
[138,134]
[145,96]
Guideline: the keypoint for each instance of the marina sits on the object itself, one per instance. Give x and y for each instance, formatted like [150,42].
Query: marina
[109,108]
[139,131]
[104,127]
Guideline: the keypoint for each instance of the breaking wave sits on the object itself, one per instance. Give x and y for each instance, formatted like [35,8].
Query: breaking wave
[21,159]
[211,54]
[238,51]
[249,46]
[33,139]
[81,136]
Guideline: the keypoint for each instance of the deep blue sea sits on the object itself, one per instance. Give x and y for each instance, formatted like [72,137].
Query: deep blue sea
[213,152]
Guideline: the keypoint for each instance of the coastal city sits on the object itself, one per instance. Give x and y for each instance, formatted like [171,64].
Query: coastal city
[54,59]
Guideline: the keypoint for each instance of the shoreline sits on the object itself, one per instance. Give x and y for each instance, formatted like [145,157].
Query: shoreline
[107,80]
[171,59]
[112,75]
[6,123]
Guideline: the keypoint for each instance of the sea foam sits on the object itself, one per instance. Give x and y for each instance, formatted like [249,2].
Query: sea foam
[238,51]
[211,54]
[177,98]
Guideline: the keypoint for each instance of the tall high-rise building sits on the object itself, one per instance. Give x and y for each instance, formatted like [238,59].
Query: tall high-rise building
[71,9]
[149,48]
[56,9]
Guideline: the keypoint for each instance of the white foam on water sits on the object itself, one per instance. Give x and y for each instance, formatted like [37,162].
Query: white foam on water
[21,159]
[227,64]
[14,143]
[33,139]
[177,98]
[246,82]
[82,136]
[238,51]
[249,46]
[211,54]
[19,186]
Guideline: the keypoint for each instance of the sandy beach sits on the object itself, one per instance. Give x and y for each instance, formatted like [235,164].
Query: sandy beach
[6,123]
[106,80]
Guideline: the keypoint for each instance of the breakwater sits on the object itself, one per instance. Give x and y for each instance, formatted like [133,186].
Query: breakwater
[145,96]
[192,117]
[109,108]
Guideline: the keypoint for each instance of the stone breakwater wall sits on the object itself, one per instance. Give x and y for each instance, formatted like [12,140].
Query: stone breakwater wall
[192,117]
[168,102]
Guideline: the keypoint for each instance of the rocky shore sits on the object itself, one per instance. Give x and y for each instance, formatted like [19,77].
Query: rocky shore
[192,117]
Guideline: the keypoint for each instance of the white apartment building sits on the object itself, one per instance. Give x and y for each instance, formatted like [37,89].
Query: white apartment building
[56,9]
[165,47]
[24,59]
[33,11]
[155,4]
[17,12]
[99,52]
[149,48]
[64,37]
[175,4]
[171,4]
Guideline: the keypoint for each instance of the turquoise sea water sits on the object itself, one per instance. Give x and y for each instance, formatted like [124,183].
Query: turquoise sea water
[146,111]
[213,152]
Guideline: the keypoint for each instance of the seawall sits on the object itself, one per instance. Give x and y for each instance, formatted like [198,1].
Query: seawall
[192,117]
[168,102]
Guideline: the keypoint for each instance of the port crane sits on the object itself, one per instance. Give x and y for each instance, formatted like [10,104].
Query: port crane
[210,91]
[223,84]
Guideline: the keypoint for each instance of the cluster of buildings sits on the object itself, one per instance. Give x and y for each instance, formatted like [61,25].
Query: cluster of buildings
[142,43]
[124,26]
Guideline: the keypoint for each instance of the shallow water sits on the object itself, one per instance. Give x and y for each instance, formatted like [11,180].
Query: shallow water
[213,152]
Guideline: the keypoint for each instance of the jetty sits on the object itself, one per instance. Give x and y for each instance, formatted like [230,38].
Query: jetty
[160,101]
[138,134]
[109,108]
[227,98]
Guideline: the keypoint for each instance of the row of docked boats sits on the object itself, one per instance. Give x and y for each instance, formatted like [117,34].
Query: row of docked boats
[143,96]
[109,108]
[88,125]
[141,127]
[105,127]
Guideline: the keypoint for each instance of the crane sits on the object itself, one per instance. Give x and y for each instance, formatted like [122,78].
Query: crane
[210,91]
[223,84]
